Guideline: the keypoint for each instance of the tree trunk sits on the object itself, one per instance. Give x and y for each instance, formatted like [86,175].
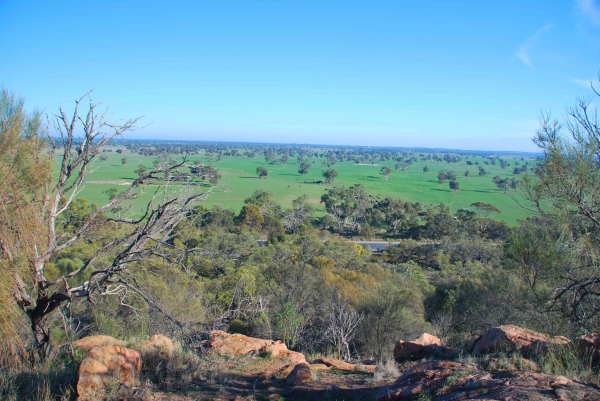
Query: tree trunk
[41,336]
[38,318]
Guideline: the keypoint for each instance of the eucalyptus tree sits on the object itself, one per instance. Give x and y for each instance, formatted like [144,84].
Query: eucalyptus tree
[386,171]
[565,190]
[113,268]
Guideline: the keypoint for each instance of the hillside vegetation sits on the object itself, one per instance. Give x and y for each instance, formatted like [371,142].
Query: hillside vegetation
[163,253]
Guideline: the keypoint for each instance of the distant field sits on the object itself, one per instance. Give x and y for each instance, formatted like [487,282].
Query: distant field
[286,184]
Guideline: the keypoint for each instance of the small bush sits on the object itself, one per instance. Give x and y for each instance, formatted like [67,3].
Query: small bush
[387,370]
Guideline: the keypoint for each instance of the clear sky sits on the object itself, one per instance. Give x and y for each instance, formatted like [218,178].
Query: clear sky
[452,74]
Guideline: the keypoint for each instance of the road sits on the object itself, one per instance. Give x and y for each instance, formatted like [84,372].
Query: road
[376,246]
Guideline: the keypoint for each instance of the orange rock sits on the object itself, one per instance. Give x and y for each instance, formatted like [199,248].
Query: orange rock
[239,344]
[319,366]
[300,374]
[274,348]
[160,344]
[293,356]
[104,365]
[511,338]
[455,381]
[588,346]
[415,350]
[334,363]
[91,342]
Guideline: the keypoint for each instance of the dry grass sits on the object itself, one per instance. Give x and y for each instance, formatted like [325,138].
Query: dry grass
[182,372]
[387,370]
[563,360]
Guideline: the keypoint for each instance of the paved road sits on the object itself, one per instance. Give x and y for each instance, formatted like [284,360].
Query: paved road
[376,246]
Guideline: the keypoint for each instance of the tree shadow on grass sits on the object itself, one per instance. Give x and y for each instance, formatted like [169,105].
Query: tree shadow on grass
[371,178]
[249,177]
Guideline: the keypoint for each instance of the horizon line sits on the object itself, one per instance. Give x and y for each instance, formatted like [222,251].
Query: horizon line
[414,148]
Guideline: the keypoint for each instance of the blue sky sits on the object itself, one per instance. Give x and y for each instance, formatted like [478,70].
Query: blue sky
[450,74]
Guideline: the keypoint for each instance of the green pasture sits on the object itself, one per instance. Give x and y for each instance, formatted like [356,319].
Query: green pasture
[286,184]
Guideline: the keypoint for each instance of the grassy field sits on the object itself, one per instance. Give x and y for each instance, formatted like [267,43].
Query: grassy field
[286,184]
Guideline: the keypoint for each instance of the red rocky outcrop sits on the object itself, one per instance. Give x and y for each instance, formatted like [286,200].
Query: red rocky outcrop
[239,344]
[445,381]
[510,338]
[334,363]
[424,346]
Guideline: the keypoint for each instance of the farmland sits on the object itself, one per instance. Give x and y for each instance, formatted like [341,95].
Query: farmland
[239,180]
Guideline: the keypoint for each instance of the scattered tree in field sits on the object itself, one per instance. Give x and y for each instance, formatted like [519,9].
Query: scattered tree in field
[141,170]
[482,172]
[501,183]
[385,171]
[441,177]
[284,160]
[514,183]
[103,158]
[425,169]
[454,185]
[330,175]
[119,151]
[451,175]
[467,173]
[262,172]
[303,168]
[124,161]
[111,193]
[209,174]
[519,170]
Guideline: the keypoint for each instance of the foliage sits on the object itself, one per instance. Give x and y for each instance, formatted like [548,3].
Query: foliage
[566,193]
[262,172]
[25,173]
[330,175]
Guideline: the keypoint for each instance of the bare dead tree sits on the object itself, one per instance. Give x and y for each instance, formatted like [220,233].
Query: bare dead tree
[37,296]
[342,323]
